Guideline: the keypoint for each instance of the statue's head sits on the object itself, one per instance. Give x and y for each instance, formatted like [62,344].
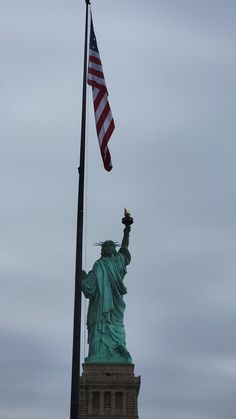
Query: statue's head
[108,248]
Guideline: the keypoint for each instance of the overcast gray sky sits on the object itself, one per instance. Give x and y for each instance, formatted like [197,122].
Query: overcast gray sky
[170,71]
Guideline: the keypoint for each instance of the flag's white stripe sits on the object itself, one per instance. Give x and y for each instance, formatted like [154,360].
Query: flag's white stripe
[94,54]
[99,80]
[101,106]
[104,128]
[95,66]
[95,93]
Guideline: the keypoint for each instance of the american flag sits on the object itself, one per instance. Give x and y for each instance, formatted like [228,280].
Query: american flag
[103,116]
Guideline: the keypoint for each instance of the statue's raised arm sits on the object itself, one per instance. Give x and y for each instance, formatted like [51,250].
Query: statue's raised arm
[127,220]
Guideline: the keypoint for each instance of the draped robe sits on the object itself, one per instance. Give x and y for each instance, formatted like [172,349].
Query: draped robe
[104,288]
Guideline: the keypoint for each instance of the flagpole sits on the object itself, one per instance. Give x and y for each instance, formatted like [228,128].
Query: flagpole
[75,376]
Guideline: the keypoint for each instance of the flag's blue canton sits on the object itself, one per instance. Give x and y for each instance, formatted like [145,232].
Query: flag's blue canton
[93,42]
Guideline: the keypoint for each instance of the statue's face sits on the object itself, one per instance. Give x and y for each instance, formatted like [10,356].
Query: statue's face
[108,248]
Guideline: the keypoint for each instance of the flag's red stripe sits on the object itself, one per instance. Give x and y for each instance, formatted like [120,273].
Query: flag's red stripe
[96,73]
[95,60]
[107,136]
[93,83]
[99,98]
[106,157]
[103,117]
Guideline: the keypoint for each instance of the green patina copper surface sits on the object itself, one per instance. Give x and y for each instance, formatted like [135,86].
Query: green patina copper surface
[104,288]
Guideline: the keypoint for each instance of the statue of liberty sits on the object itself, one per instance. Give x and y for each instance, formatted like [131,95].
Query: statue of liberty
[104,288]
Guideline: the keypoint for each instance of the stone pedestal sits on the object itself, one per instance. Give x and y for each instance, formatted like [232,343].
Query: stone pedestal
[109,391]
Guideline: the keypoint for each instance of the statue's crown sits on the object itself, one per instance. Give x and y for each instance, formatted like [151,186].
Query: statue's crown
[101,243]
